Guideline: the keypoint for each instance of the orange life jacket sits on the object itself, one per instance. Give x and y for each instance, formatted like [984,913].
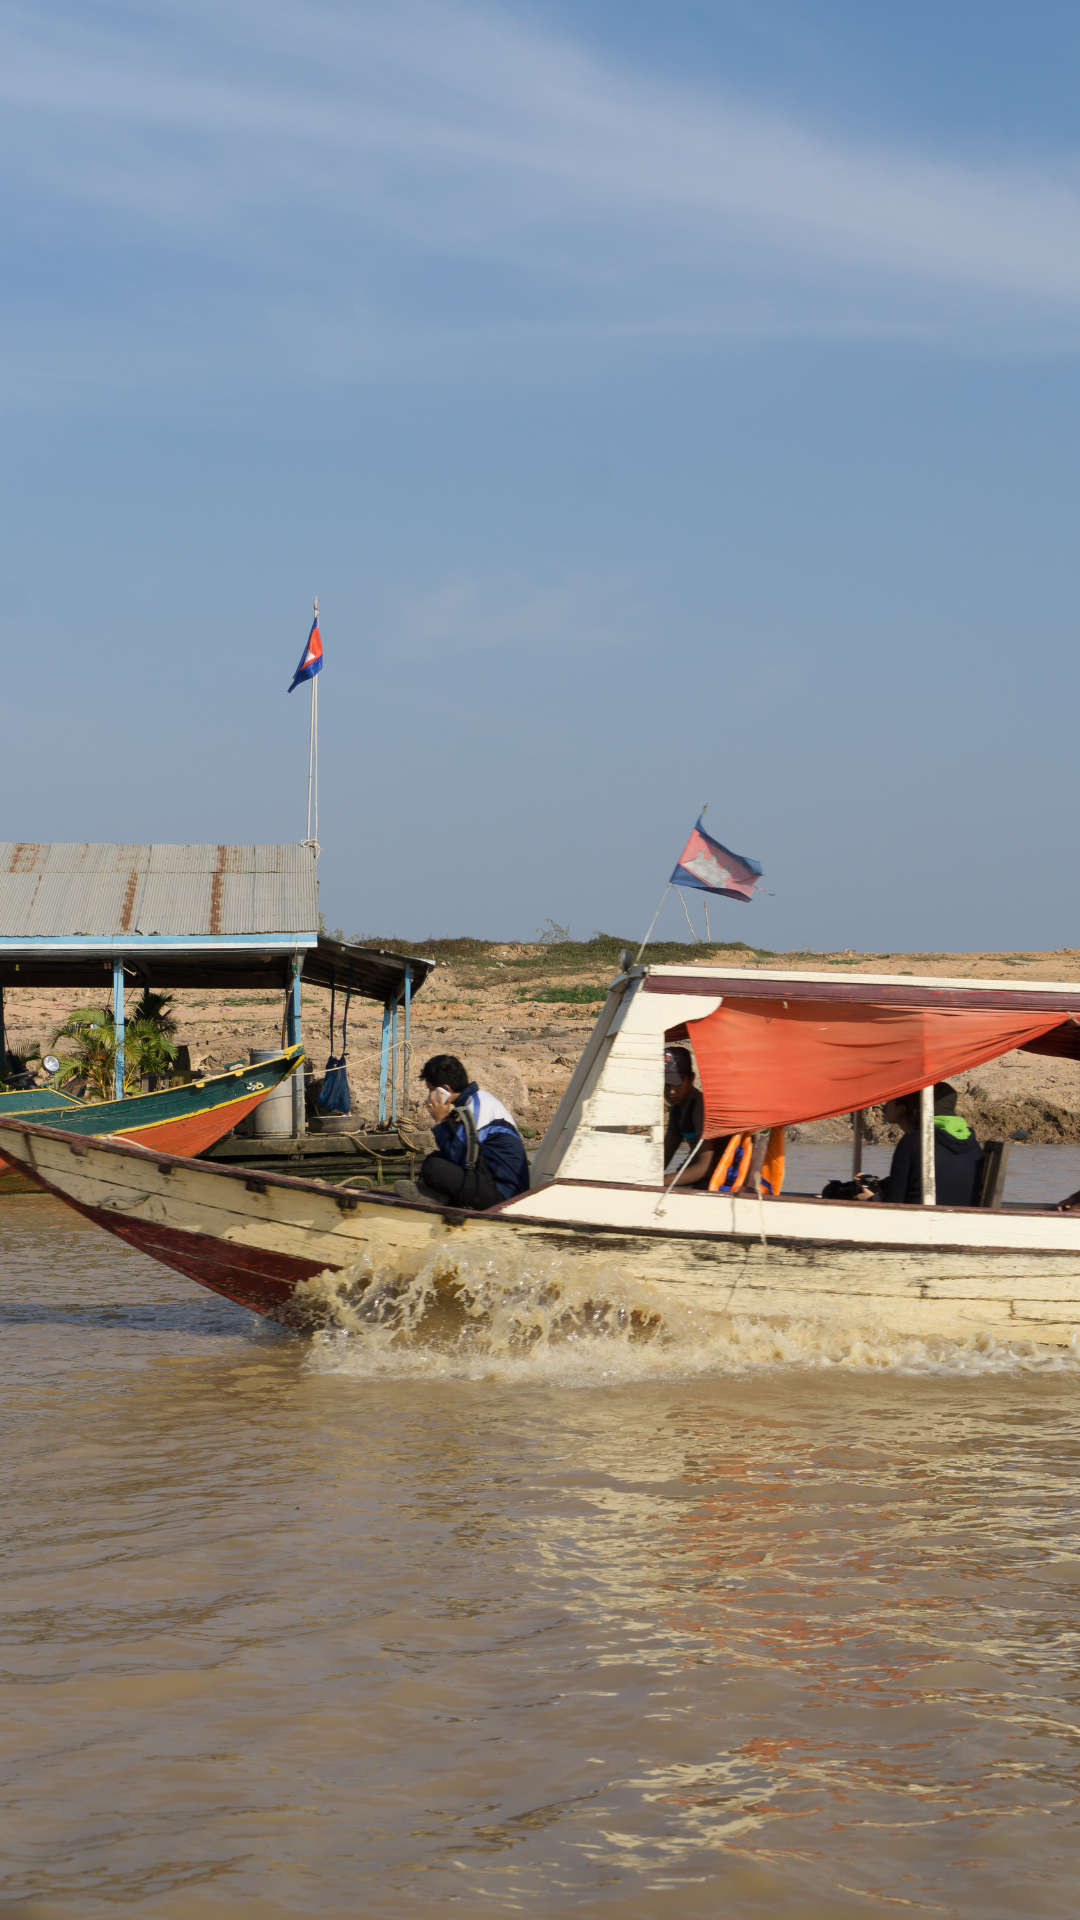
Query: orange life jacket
[733,1167]
[730,1171]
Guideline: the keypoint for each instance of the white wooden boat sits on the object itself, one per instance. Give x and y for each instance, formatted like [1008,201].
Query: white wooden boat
[598,1209]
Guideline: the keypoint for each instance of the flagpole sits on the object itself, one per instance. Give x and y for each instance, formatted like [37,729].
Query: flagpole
[311,761]
[653,922]
[311,747]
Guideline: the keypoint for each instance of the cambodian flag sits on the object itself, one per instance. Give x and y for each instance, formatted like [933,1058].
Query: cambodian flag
[704,863]
[311,662]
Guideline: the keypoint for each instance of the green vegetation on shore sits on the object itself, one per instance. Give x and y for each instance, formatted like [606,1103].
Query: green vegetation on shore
[532,957]
[577,996]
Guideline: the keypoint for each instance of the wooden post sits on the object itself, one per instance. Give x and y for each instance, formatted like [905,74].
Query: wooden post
[407,1050]
[393,1065]
[856,1151]
[926,1132]
[384,1062]
[3,1036]
[118,1026]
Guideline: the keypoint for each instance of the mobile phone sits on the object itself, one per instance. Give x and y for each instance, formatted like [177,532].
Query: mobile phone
[443,1095]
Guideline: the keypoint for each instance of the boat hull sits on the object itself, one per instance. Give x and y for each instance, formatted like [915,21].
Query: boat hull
[32,1103]
[257,1238]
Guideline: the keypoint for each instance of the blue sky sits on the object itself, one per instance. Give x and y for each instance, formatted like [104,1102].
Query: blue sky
[668,403]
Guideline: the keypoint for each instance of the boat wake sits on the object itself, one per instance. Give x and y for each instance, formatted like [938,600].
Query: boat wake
[465,1317]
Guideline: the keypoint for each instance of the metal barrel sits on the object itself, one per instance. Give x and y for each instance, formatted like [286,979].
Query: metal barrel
[275,1113]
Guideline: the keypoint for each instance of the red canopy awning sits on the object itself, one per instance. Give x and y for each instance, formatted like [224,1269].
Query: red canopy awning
[764,1064]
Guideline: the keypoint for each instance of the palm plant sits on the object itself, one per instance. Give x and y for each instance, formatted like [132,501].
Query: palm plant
[153,1027]
[156,1009]
[150,1047]
[91,1055]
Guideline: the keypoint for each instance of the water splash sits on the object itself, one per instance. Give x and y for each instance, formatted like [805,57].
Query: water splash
[543,1319]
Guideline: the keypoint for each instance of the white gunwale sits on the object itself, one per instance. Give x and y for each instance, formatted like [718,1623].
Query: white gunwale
[1067,992]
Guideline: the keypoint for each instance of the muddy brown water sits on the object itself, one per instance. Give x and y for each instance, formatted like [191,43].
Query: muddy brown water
[780,1626]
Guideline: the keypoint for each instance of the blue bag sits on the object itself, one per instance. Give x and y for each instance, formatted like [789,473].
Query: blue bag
[334,1095]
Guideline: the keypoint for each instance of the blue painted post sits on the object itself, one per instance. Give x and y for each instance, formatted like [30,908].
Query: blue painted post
[384,1062]
[293,1030]
[295,1004]
[407,1053]
[118,1024]
[393,1066]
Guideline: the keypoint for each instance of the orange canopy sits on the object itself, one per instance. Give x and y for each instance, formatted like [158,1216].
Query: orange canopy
[763,1064]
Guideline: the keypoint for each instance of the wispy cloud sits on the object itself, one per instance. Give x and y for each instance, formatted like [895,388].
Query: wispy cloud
[318,187]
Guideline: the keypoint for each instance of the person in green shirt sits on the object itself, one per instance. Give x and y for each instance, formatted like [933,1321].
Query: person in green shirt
[958,1157]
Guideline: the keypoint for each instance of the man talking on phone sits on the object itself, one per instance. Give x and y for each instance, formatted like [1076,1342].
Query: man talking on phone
[479,1156]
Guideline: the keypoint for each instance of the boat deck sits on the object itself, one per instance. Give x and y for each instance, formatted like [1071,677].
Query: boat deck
[380,1157]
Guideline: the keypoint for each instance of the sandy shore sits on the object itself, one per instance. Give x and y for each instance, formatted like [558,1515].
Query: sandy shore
[485,1010]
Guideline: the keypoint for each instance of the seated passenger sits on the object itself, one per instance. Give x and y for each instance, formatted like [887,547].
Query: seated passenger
[958,1157]
[686,1117]
[479,1157]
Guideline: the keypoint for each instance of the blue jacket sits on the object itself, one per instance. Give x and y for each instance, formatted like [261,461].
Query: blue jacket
[500,1142]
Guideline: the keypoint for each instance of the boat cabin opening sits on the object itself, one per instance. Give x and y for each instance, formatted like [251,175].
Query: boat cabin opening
[774,1048]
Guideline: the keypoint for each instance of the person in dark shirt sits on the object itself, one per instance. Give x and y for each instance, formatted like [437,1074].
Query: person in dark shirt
[958,1157]
[479,1157]
[686,1117]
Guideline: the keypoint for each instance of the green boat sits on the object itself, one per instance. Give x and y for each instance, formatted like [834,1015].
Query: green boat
[182,1119]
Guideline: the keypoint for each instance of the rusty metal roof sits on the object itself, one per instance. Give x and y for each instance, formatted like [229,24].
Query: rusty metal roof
[97,891]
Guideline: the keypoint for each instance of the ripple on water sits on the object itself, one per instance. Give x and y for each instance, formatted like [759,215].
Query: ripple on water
[764,1622]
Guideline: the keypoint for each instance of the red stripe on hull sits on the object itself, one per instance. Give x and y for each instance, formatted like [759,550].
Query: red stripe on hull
[252,1277]
[193,1132]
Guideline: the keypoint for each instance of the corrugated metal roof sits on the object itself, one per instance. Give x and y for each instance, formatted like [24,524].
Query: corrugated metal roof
[369,970]
[102,891]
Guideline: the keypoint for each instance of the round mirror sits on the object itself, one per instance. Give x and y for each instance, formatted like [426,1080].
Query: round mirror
[50,1063]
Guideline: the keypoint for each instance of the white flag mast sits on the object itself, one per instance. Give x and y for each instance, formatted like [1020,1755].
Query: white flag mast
[313,755]
[309,668]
